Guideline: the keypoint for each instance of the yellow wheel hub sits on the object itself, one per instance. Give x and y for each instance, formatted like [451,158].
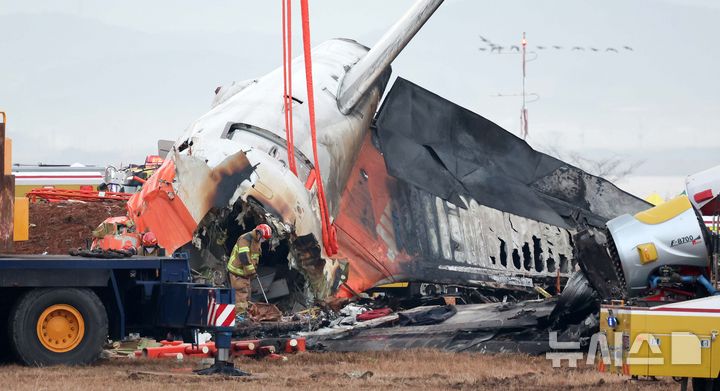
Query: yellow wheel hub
[60,328]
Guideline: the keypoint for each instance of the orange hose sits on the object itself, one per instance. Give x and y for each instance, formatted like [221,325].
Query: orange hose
[328,232]
[287,83]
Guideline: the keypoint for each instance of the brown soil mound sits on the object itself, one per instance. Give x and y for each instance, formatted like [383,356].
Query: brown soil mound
[58,227]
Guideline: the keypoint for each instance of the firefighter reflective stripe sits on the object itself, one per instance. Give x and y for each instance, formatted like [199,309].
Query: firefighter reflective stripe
[235,270]
[237,250]
[239,271]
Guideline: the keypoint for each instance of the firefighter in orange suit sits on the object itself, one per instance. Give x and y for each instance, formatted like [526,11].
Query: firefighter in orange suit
[242,263]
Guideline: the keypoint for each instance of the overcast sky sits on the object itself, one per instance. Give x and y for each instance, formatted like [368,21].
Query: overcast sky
[100,82]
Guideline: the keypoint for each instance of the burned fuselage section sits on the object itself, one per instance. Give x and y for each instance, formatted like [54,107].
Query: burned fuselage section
[391,231]
[467,205]
[441,194]
[229,171]
[434,193]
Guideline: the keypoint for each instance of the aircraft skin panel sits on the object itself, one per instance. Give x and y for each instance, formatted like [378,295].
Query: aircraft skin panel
[390,231]
[158,205]
[452,152]
[441,194]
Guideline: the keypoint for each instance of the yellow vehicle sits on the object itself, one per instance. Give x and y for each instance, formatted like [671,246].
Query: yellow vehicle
[678,340]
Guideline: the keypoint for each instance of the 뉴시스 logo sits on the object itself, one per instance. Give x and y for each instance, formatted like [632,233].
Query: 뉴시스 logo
[685,349]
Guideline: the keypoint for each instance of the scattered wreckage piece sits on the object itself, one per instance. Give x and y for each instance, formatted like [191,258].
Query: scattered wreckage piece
[273,329]
[522,326]
[129,179]
[473,327]
[598,261]
[578,300]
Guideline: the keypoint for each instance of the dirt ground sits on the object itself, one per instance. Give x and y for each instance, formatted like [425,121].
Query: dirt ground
[420,370]
[60,226]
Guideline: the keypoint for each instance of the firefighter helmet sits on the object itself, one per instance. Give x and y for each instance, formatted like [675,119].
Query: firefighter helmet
[264,230]
[149,240]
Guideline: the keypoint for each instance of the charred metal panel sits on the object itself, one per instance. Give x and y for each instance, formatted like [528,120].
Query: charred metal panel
[481,327]
[476,241]
[453,153]
[441,194]
[594,250]
[390,230]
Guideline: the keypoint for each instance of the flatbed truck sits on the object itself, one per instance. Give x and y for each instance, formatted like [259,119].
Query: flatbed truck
[58,309]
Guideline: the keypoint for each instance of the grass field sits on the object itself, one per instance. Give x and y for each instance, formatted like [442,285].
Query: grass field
[421,370]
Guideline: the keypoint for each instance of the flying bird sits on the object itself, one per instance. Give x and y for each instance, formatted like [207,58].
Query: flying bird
[482,49]
[557,47]
[611,50]
[483,38]
[540,47]
[578,48]
[515,48]
[496,47]
[628,48]
[594,49]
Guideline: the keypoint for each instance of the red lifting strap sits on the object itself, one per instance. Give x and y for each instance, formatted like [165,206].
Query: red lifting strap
[328,231]
[287,82]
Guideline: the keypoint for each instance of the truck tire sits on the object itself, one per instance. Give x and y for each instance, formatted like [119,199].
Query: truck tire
[58,326]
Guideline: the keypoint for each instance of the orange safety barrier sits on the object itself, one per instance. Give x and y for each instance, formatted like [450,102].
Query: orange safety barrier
[295,345]
[248,348]
[176,349]
[56,195]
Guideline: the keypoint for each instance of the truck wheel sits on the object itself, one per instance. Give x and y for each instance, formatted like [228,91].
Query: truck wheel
[58,326]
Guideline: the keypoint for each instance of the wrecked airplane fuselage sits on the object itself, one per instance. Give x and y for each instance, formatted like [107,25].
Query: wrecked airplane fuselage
[445,195]
[406,208]
[234,159]
[229,170]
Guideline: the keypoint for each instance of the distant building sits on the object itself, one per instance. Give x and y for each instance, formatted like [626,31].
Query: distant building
[28,177]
